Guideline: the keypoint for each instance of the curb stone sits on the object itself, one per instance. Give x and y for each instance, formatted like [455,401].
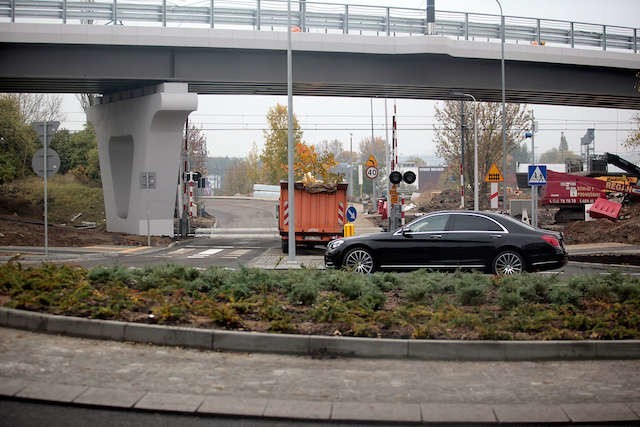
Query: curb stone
[221,340]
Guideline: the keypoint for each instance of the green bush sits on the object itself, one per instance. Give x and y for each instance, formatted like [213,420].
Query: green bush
[304,292]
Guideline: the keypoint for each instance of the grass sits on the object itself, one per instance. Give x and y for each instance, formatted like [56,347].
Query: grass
[66,197]
[420,304]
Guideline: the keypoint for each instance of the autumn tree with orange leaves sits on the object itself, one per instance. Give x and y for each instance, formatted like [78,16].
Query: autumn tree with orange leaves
[274,154]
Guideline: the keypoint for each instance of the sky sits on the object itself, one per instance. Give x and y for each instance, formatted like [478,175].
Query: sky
[232,124]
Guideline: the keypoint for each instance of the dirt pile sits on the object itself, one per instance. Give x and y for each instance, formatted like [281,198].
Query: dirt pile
[604,230]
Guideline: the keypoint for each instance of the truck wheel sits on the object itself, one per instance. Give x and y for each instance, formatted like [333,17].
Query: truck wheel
[508,262]
[359,260]
[285,246]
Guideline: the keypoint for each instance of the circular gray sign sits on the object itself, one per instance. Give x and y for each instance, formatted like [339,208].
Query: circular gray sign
[53,162]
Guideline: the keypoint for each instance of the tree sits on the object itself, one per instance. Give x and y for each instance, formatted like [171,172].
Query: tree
[37,107]
[633,139]
[377,148]
[274,154]
[308,161]
[197,149]
[17,141]
[74,147]
[448,133]
[236,179]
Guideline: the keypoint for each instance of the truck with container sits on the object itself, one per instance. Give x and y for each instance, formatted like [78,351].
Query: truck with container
[320,212]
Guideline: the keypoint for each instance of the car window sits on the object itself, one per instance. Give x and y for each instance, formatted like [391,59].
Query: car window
[430,223]
[474,223]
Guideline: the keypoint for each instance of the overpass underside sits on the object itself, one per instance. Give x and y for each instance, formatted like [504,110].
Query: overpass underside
[106,69]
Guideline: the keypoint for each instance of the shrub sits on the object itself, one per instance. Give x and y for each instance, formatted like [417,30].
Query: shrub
[304,292]
[471,289]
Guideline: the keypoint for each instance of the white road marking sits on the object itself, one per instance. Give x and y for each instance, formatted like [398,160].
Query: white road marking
[205,254]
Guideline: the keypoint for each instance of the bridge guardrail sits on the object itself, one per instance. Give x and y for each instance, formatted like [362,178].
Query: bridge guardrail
[309,16]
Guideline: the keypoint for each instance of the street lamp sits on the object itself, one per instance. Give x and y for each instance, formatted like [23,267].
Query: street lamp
[504,117]
[475,147]
[290,147]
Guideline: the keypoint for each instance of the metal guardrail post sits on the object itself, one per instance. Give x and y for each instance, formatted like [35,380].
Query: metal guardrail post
[572,35]
[538,32]
[345,24]
[13,11]
[164,13]
[466,26]
[257,26]
[388,22]
[211,14]
[635,40]
[604,37]
[64,11]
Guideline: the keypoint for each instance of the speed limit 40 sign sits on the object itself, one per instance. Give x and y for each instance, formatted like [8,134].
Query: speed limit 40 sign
[372,172]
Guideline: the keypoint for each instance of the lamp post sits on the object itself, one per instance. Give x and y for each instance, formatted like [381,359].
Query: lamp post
[504,117]
[290,182]
[475,147]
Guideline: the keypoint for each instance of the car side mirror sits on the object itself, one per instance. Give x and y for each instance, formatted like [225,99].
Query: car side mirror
[406,230]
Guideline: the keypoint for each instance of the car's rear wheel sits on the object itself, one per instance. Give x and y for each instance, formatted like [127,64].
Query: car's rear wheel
[359,260]
[508,262]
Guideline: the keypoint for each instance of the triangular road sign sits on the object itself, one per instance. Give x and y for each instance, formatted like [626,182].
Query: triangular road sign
[494,174]
[537,175]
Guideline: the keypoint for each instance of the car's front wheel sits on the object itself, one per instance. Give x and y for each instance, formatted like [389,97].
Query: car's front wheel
[508,262]
[359,260]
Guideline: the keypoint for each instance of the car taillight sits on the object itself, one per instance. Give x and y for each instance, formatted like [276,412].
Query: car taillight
[551,240]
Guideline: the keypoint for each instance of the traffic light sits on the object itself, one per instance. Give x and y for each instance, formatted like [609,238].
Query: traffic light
[396,177]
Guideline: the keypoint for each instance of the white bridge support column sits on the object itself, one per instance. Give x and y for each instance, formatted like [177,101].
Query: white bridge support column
[139,132]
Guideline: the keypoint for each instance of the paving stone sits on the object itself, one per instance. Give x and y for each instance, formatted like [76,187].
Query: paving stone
[635,407]
[10,386]
[457,413]
[534,413]
[389,412]
[170,402]
[313,410]
[229,405]
[109,397]
[52,392]
[599,412]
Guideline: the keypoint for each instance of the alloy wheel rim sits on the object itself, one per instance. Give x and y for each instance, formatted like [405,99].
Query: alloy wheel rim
[360,261]
[508,263]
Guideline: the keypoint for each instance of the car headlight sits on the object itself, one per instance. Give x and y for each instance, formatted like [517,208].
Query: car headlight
[335,244]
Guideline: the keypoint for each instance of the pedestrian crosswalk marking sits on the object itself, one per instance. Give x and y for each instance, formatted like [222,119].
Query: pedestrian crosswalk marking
[205,254]
[235,254]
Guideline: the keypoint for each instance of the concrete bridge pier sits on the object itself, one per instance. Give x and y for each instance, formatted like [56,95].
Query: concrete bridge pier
[139,138]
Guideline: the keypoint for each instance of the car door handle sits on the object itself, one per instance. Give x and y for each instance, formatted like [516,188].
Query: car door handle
[496,236]
[436,236]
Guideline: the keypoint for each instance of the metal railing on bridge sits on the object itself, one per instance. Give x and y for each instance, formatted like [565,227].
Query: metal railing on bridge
[309,16]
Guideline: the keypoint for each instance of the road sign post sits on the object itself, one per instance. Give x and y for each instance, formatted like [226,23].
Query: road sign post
[537,176]
[494,176]
[44,130]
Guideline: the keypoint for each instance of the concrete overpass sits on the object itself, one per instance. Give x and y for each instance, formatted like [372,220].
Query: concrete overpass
[149,78]
[107,59]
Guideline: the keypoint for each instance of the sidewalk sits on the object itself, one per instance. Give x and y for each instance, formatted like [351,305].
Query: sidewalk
[137,376]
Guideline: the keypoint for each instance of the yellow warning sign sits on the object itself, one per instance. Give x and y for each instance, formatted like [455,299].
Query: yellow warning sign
[372,162]
[494,174]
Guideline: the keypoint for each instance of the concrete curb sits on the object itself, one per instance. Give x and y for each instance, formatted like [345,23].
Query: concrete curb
[221,340]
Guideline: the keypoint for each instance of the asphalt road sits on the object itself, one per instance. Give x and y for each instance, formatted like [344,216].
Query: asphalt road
[246,234]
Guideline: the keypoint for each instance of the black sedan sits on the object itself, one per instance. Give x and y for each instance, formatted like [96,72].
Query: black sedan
[489,241]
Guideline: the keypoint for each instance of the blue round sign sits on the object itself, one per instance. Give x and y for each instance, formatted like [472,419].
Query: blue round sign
[352,213]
